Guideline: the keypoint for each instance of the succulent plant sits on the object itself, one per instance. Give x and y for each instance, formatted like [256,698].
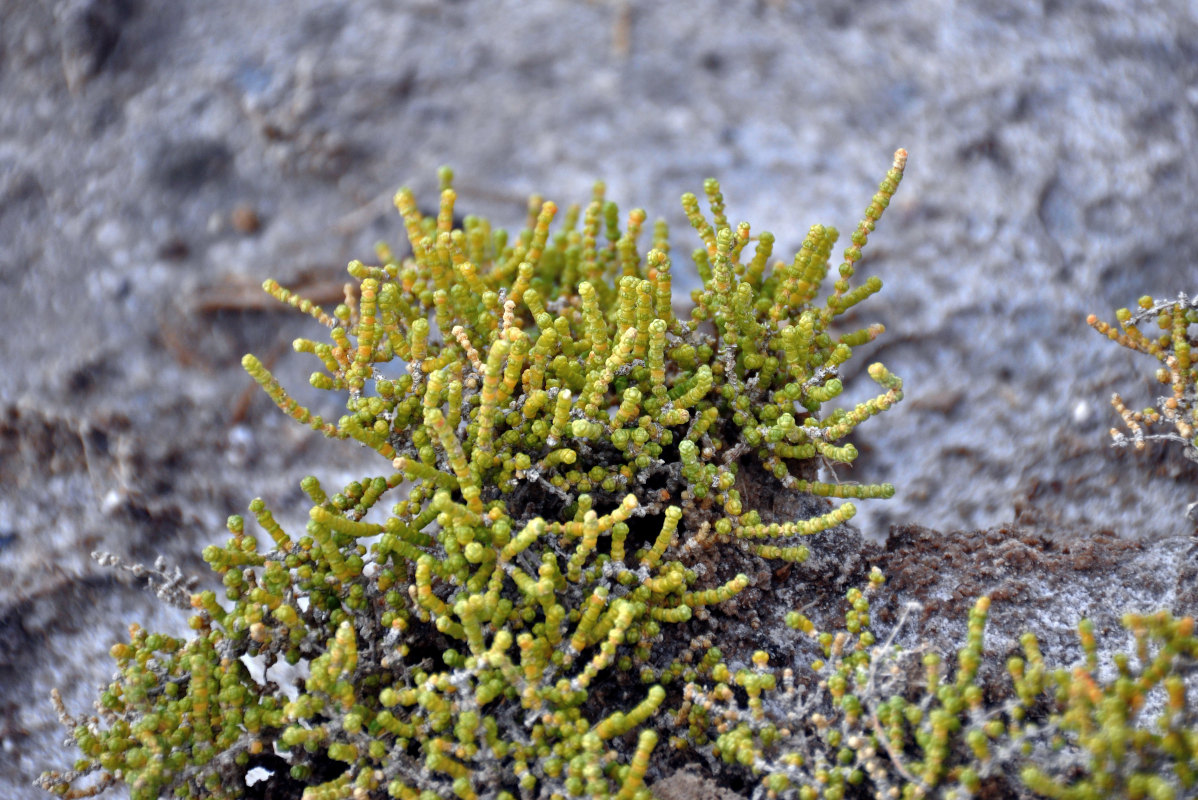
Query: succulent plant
[574,475]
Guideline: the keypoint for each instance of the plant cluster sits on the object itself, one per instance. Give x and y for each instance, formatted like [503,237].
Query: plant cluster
[1172,347]
[566,451]
[871,726]
[567,459]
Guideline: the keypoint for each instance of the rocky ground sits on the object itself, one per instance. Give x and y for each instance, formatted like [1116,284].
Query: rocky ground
[157,161]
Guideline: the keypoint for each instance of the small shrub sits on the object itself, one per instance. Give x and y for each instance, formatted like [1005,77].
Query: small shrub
[563,457]
[1172,347]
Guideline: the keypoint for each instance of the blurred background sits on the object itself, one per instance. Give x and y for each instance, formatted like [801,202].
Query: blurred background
[159,160]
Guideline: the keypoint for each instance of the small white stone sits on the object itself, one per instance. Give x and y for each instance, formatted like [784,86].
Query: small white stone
[112,501]
[256,775]
[1083,412]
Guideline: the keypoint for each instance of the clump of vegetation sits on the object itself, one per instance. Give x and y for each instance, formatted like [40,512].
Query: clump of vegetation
[564,455]
[566,466]
[1172,347]
[872,726]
